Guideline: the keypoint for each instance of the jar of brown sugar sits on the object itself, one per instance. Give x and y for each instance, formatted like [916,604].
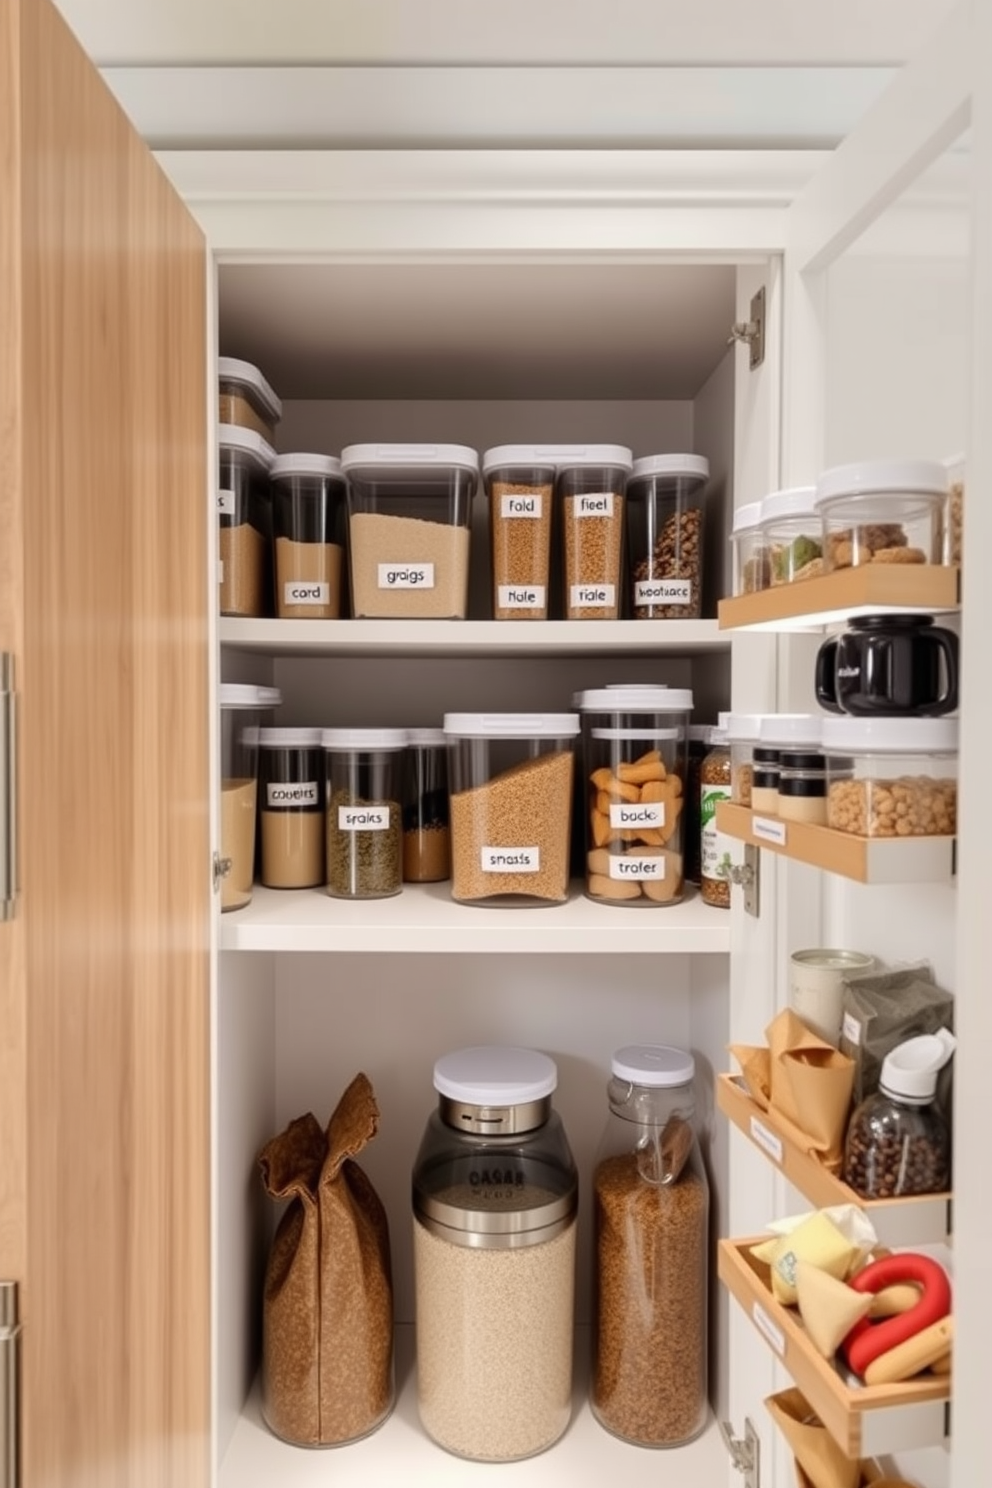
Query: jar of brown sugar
[244,512]
[291,801]
[308,511]
[592,484]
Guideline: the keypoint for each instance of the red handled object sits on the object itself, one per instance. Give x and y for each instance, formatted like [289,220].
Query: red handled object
[867,1341]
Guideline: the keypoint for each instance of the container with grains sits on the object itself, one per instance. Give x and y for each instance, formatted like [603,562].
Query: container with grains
[242,707]
[308,514]
[892,777]
[752,559]
[882,511]
[790,528]
[715,847]
[244,513]
[651,1216]
[426,817]
[494,1203]
[665,511]
[246,399]
[364,817]
[591,486]
[520,482]
[291,804]
[510,778]
[897,1139]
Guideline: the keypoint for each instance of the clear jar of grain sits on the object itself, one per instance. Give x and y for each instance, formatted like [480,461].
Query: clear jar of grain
[409,519]
[665,536]
[591,486]
[426,817]
[494,1203]
[244,512]
[510,777]
[715,846]
[635,766]
[291,791]
[520,483]
[364,815]
[651,1218]
[246,399]
[241,709]
[308,518]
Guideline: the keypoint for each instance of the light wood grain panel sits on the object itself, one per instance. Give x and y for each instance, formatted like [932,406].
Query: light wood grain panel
[115,794]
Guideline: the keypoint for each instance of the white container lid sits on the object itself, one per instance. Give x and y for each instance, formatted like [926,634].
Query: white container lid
[230,369]
[653,1064]
[244,695]
[874,477]
[289,738]
[910,1070]
[321,467]
[798,501]
[339,740]
[425,736]
[246,442]
[747,518]
[791,730]
[693,466]
[525,456]
[890,735]
[397,458]
[634,698]
[744,726]
[511,725]
[645,735]
[597,454]
[491,1075]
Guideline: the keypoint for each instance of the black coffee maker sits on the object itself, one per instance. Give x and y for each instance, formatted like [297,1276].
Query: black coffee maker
[889,666]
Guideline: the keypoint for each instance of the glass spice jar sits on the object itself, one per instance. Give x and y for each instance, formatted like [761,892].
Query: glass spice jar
[715,786]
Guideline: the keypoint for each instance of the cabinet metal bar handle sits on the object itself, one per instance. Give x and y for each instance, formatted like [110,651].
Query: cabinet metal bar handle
[10,1385]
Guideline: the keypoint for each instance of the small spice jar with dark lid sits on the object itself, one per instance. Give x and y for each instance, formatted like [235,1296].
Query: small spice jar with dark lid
[764,779]
[897,1140]
[244,512]
[802,787]
[364,776]
[291,801]
[426,817]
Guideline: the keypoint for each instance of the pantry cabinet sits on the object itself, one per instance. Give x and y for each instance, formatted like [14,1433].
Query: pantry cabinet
[150,1045]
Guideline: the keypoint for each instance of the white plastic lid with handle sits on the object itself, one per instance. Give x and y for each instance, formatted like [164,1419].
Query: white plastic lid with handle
[495,1075]
[909,1072]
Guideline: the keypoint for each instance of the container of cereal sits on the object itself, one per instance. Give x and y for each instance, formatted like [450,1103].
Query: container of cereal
[520,482]
[752,559]
[244,511]
[635,767]
[651,1217]
[245,398]
[308,515]
[426,818]
[291,802]
[790,528]
[892,777]
[882,511]
[743,733]
[409,516]
[510,778]
[364,814]
[241,710]
[897,1139]
[591,486]
[665,536]
[494,1204]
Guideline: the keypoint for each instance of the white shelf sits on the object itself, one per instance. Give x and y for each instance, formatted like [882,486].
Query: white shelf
[401,1453]
[472,637]
[425,918]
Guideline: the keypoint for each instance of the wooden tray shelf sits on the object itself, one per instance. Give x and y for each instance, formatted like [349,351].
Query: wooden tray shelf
[871,860]
[865,1420]
[917,1220]
[927,588]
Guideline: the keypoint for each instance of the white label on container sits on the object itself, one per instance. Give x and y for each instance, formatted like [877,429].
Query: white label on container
[599,504]
[520,596]
[292,793]
[767,830]
[363,818]
[766,1140]
[298,592]
[772,1332]
[225,503]
[511,859]
[634,814]
[592,596]
[851,1029]
[406,576]
[663,591]
[638,867]
[522,506]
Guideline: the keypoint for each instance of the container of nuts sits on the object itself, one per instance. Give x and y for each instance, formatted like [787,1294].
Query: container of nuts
[891,777]
[592,485]
[882,511]
[665,502]
[897,1140]
[520,484]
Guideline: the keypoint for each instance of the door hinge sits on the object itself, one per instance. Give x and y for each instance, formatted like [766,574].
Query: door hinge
[10,1387]
[752,331]
[747,875]
[8,788]
[745,1452]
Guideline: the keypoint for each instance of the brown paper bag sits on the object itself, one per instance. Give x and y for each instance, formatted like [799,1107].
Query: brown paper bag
[327,1315]
[815,1450]
[811,1084]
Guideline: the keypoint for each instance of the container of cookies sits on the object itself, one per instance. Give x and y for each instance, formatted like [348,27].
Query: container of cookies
[793,541]
[891,777]
[883,511]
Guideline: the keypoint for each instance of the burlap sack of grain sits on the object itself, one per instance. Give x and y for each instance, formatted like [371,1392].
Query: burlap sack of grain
[327,1312]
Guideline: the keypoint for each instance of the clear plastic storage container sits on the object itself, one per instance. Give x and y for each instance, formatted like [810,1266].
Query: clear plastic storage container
[308,511]
[494,1204]
[520,483]
[635,766]
[882,512]
[665,506]
[291,792]
[510,777]
[409,519]
[592,484]
[244,511]
[802,787]
[954,518]
[752,559]
[897,1140]
[242,708]
[364,817]
[246,399]
[426,816]
[892,777]
[651,1217]
[790,528]
[743,732]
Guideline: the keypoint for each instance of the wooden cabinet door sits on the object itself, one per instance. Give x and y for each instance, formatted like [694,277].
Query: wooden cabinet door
[104,968]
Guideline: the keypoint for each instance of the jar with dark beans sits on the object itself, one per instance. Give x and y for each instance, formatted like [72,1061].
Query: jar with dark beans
[895,1149]
[677,555]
